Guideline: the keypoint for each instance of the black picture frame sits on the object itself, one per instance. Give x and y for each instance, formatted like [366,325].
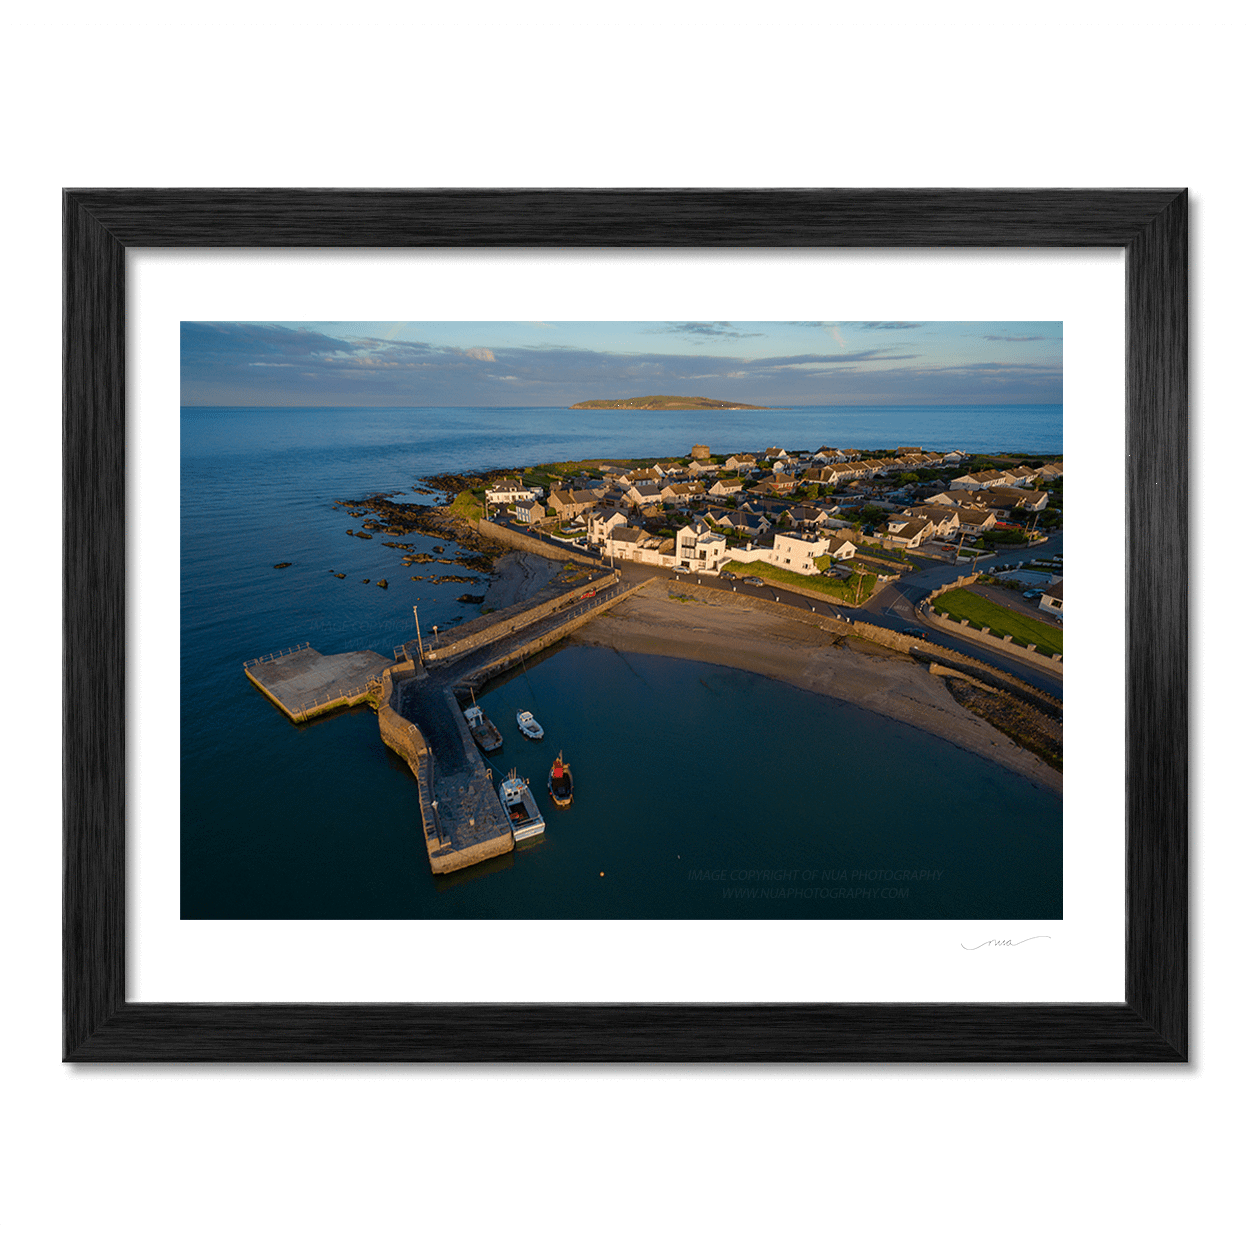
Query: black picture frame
[1150,1024]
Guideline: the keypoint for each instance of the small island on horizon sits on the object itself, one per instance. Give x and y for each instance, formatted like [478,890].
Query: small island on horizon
[667,403]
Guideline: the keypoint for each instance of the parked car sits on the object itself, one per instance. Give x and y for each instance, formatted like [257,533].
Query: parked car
[728,576]
[753,581]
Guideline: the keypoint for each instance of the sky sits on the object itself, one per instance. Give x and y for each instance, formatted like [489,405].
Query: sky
[555,364]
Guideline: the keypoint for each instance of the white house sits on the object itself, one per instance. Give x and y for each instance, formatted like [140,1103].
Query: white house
[510,490]
[629,543]
[699,548]
[907,531]
[530,510]
[681,492]
[842,544]
[984,479]
[727,488]
[788,551]
[1052,599]
[602,521]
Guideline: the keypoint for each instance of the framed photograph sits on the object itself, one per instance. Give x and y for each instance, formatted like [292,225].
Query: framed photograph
[695,519]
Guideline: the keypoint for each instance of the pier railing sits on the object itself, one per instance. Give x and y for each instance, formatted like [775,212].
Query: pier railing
[274,655]
[304,710]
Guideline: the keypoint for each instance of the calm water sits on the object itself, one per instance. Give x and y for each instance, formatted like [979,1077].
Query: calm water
[695,785]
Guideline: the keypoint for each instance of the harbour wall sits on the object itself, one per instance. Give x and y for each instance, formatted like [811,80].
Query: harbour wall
[534,645]
[487,629]
[407,741]
[527,542]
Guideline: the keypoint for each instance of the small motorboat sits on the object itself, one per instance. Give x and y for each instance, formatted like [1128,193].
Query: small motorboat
[560,782]
[528,725]
[483,729]
[521,808]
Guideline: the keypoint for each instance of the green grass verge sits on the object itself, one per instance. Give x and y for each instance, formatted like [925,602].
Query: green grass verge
[1002,621]
[855,589]
[466,506]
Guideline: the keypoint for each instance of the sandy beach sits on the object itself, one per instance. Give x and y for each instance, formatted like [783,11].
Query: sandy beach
[788,649]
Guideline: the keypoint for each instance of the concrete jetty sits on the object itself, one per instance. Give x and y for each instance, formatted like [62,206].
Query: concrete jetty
[304,683]
[419,714]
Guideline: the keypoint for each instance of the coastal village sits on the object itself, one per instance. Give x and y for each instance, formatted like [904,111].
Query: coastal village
[838,513]
[941,557]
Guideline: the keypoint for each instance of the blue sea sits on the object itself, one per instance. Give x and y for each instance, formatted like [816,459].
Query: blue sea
[699,772]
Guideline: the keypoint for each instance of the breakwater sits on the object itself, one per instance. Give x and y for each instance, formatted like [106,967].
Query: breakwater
[460,640]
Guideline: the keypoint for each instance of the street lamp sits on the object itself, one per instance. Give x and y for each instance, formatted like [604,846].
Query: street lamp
[417,619]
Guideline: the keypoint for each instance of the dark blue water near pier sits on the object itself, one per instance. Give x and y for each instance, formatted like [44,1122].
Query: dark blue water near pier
[700,791]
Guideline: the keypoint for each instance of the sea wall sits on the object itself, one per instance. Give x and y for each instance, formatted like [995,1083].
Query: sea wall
[406,740]
[486,629]
[527,542]
[1008,646]
[895,641]
[545,640]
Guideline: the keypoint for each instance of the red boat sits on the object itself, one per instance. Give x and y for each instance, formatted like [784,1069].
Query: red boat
[560,782]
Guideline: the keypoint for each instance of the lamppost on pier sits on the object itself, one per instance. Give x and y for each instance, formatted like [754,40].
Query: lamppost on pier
[417,619]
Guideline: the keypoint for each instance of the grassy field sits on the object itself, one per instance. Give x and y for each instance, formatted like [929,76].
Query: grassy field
[1002,621]
[855,589]
[466,506]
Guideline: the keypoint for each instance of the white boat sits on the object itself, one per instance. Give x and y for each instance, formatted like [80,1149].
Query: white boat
[528,725]
[521,808]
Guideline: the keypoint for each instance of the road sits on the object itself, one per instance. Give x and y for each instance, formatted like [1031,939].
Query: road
[893,607]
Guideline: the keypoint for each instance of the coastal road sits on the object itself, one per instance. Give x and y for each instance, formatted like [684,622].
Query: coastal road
[893,607]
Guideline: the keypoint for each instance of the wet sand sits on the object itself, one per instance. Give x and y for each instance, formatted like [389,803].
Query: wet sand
[788,649]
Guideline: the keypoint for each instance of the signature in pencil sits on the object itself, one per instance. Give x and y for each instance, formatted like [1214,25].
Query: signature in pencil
[1005,941]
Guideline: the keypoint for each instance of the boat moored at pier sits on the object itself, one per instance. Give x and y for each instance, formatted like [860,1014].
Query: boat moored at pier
[528,725]
[483,729]
[560,782]
[521,808]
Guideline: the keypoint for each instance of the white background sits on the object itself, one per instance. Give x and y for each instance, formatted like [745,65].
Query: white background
[321,95]
[1082,956]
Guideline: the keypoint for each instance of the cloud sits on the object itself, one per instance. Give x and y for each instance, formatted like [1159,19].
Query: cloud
[890,325]
[240,363]
[1015,338]
[707,329]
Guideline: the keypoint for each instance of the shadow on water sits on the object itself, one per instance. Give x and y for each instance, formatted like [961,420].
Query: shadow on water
[443,882]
